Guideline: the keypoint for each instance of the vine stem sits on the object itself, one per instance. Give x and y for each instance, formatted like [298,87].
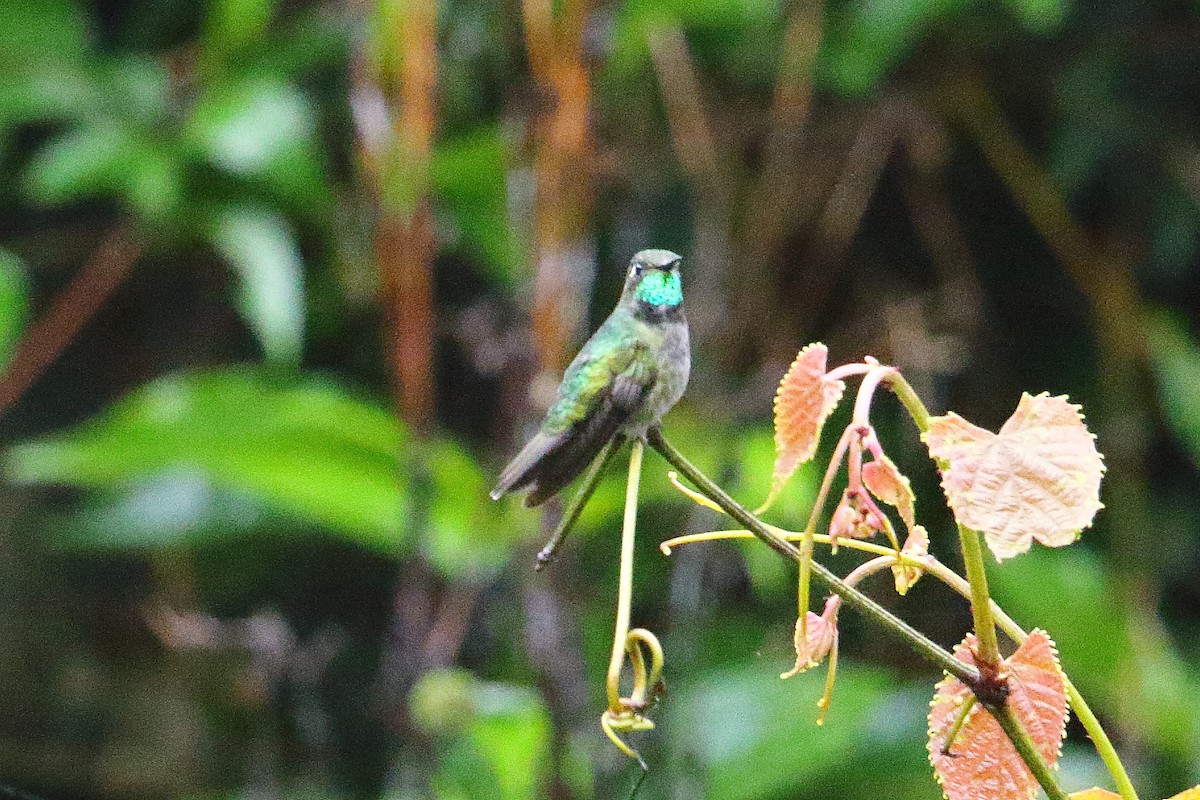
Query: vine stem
[983,608]
[1083,712]
[621,715]
[988,655]
[625,587]
[851,596]
[1016,733]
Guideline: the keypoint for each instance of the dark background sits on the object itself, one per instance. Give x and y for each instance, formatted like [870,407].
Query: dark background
[284,284]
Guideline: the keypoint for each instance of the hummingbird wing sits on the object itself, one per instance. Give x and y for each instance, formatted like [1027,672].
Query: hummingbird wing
[597,396]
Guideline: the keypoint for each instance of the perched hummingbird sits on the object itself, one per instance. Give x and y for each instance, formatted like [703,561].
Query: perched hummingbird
[630,373]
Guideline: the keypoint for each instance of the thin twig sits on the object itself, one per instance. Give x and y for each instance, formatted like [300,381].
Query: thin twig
[71,310]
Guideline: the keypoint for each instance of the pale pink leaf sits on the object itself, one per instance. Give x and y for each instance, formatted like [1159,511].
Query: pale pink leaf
[804,400]
[810,652]
[1038,478]
[982,763]
[917,545]
[885,481]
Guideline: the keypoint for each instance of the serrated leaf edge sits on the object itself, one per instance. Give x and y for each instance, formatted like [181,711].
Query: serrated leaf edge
[778,482]
[949,679]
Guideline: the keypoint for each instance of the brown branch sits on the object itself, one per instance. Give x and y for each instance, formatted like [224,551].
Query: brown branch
[71,310]
[691,132]
[395,141]
[562,167]
[790,110]
[1106,280]
[404,250]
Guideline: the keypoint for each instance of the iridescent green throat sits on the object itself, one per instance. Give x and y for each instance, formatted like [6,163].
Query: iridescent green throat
[660,289]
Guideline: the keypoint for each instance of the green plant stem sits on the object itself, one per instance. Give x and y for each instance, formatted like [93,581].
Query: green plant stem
[625,587]
[1028,752]
[571,513]
[988,655]
[851,596]
[909,399]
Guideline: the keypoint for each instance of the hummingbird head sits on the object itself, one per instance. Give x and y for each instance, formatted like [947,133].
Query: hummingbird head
[653,285]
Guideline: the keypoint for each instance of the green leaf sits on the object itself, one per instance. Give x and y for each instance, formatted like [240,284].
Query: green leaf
[14,305]
[262,127]
[302,448]
[166,509]
[1175,358]
[33,33]
[262,248]
[85,161]
[493,738]
[636,19]
[755,736]
[866,39]
[470,175]
[234,24]
[1040,16]
[470,537]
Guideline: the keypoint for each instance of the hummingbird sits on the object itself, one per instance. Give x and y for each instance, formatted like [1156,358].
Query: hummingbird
[631,371]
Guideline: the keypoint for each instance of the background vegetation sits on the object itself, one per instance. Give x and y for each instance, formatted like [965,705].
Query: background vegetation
[283,284]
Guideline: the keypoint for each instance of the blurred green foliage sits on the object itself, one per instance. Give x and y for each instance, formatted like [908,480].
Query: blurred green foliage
[228,568]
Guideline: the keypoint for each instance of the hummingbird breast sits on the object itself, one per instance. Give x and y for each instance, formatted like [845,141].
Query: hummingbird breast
[670,345]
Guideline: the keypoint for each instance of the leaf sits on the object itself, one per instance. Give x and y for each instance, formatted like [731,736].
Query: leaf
[302,448]
[811,651]
[166,509]
[469,538]
[1187,794]
[1038,478]
[263,128]
[469,174]
[1040,16]
[1175,358]
[804,401]
[1095,793]
[917,544]
[493,737]
[729,20]
[33,33]
[887,483]
[85,161]
[14,305]
[982,763]
[230,25]
[262,248]
[866,40]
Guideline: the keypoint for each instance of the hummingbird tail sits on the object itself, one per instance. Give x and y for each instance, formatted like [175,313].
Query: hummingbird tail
[571,456]
[521,471]
[552,460]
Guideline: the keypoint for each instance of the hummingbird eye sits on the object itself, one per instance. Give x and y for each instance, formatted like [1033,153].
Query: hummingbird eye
[638,269]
